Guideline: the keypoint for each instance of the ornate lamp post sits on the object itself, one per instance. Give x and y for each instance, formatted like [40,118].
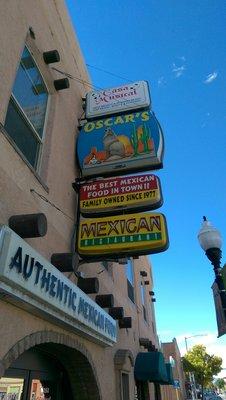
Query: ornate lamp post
[211,242]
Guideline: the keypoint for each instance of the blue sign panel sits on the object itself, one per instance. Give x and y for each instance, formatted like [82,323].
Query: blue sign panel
[124,143]
[176,383]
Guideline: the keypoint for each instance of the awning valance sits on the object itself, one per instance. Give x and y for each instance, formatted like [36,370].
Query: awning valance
[169,371]
[150,366]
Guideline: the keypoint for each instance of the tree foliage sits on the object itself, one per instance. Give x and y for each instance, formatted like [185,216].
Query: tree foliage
[203,365]
[219,383]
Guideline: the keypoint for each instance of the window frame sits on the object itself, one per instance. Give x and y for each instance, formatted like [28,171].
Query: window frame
[143,299]
[39,140]
[107,265]
[130,285]
[152,317]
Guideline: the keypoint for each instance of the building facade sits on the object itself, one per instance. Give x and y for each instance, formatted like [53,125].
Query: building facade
[172,354]
[56,340]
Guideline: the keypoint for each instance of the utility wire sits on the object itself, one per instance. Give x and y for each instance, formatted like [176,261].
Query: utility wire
[76,78]
[109,73]
[51,204]
[86,82]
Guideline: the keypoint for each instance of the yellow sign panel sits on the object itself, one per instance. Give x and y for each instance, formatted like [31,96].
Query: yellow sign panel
[131,234]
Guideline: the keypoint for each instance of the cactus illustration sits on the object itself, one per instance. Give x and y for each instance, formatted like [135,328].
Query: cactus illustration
[145,138]
[134,141]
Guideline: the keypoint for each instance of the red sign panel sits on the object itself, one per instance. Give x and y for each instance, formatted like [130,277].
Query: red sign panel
[112,195]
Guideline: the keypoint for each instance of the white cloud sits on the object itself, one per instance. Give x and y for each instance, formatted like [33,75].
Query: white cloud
[161,81]
[178,71]
[211,77]
[203,124]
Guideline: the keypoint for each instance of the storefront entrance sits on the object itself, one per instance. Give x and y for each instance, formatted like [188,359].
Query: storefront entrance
[56,367]
[35,375]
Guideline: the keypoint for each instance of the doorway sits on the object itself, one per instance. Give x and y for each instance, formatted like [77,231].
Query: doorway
[35,375]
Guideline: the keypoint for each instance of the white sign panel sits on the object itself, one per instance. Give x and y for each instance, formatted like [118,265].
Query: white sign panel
[29,280]
[132,96]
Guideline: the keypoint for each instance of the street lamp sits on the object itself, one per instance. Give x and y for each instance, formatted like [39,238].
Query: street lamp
[189,337]
[191,374]
[210,240]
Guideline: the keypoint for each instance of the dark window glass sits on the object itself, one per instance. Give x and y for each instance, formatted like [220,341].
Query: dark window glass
[20,132]
[26,112]
[130,289]
[130,280]
[153,327]
[30,92]
[142,292]
[125,386]
[144,313]
[107,265]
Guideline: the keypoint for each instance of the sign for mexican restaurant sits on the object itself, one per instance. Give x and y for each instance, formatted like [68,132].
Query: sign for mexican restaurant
[131,234]
[28,280]
[111,195]
[132,96]
[121,144]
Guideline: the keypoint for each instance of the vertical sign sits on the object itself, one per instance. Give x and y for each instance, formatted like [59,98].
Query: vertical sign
[220,314]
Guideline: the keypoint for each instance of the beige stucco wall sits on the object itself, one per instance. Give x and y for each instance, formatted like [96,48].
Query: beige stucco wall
[57,171]
[172,349]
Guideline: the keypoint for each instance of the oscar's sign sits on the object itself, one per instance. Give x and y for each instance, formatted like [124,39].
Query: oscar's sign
[121,144]
[131,234]
[127,193]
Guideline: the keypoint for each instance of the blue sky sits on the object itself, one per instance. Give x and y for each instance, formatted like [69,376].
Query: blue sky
[179,48]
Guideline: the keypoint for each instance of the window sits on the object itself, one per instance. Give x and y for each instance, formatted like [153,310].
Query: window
[125,386]
[172,361]
[152,314]
[130,279]
[25,118]
[142,292]
[107,265]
